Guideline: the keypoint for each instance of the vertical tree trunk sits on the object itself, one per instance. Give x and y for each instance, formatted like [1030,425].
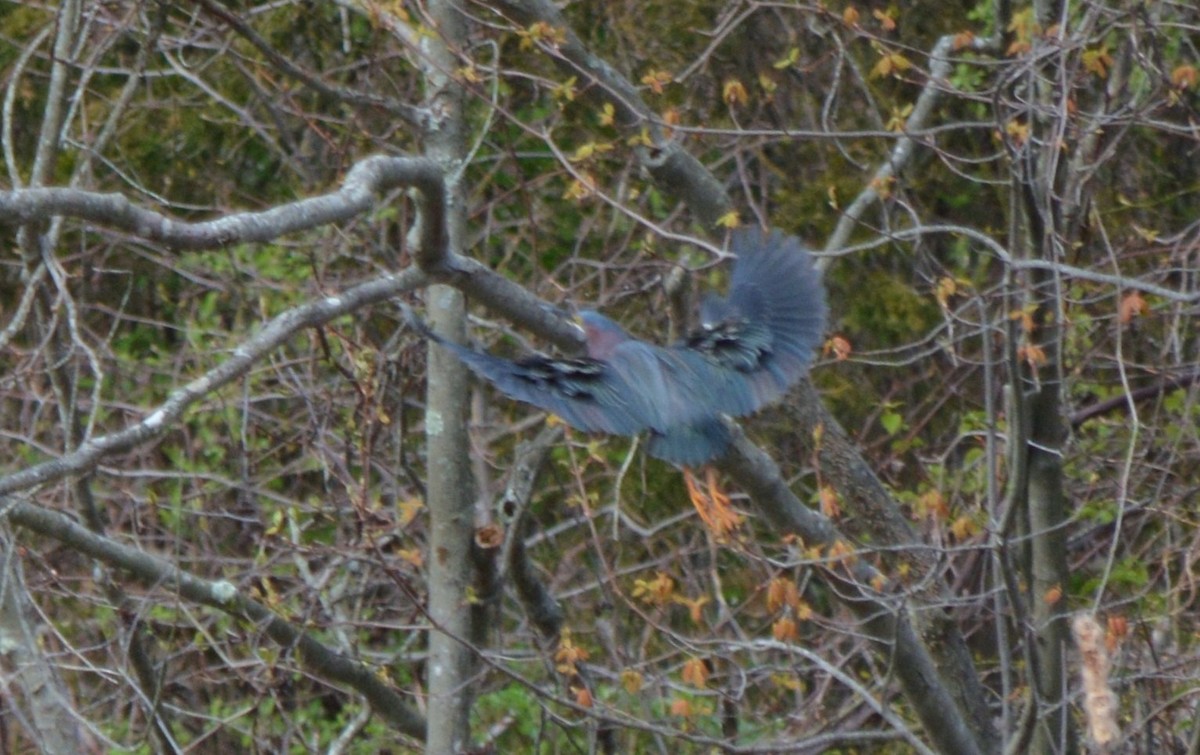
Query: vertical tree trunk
[29,677]
[30,682]
[449,494]
[1048,518]
[1046,173]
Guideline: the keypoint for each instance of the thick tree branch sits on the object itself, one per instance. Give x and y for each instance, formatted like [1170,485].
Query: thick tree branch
[539,603]
[372,175]
[358,194]
[31,683]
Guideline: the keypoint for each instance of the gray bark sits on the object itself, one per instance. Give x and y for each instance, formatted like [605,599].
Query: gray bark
[30,681]
[449,489]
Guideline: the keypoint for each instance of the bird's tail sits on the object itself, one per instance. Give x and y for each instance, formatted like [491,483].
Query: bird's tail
[690,445]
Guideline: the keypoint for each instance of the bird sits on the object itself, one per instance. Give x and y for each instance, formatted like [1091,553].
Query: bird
[749,349]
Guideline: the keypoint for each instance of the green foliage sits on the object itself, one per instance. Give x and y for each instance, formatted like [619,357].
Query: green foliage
[893,314]
[1128,576]
[517,711]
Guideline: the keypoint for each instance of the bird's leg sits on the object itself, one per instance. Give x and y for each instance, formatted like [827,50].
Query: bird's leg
[712,504]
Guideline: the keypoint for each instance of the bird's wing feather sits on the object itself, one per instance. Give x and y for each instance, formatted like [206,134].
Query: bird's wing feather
[761,338]
[586,393]
[690,445]
[751,348]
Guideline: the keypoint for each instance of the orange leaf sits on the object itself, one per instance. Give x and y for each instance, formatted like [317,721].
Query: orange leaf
[784,630]
[657,591]
[1053,595]
[581,188]
[883,185]
[583,698]
[1097,61]
[932,504]
[713,506]
[839,347]
[829,502]
[734,93]
[656,80]
[694,606]
[946,287]
[568,654]
[541,31]
[1185,77]
[695,673]
[1131,306]
[781,592]
[963,527]
[891,64]
[408,510]
[1019,47]
[1025,315]
[681,708]
[1017,131]
[1118,628]
[1035,356]
[842,552]
[850,16]
[411,556]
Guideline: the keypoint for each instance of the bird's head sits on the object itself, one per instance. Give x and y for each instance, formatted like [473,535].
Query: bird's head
[603,335]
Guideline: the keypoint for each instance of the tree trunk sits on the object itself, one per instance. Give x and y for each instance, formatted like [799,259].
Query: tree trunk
[449,496]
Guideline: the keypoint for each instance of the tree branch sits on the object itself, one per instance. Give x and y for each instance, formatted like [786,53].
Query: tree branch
[904,149]
[673,168]
[1126,400]
[357,195]
[155,572]
[958,715]
[161,420]
[888,625]
[410,114]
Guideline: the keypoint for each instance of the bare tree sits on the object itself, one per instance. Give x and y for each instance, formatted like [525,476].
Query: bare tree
[252,508]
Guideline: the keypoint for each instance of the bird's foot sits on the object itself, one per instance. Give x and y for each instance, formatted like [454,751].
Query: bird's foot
[712,504]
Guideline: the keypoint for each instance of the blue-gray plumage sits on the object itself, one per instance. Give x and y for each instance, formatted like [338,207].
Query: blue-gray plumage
[749,349]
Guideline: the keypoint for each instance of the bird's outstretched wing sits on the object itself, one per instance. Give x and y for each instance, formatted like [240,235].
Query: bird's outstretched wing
[751,347]
[761,338]
[585,392]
